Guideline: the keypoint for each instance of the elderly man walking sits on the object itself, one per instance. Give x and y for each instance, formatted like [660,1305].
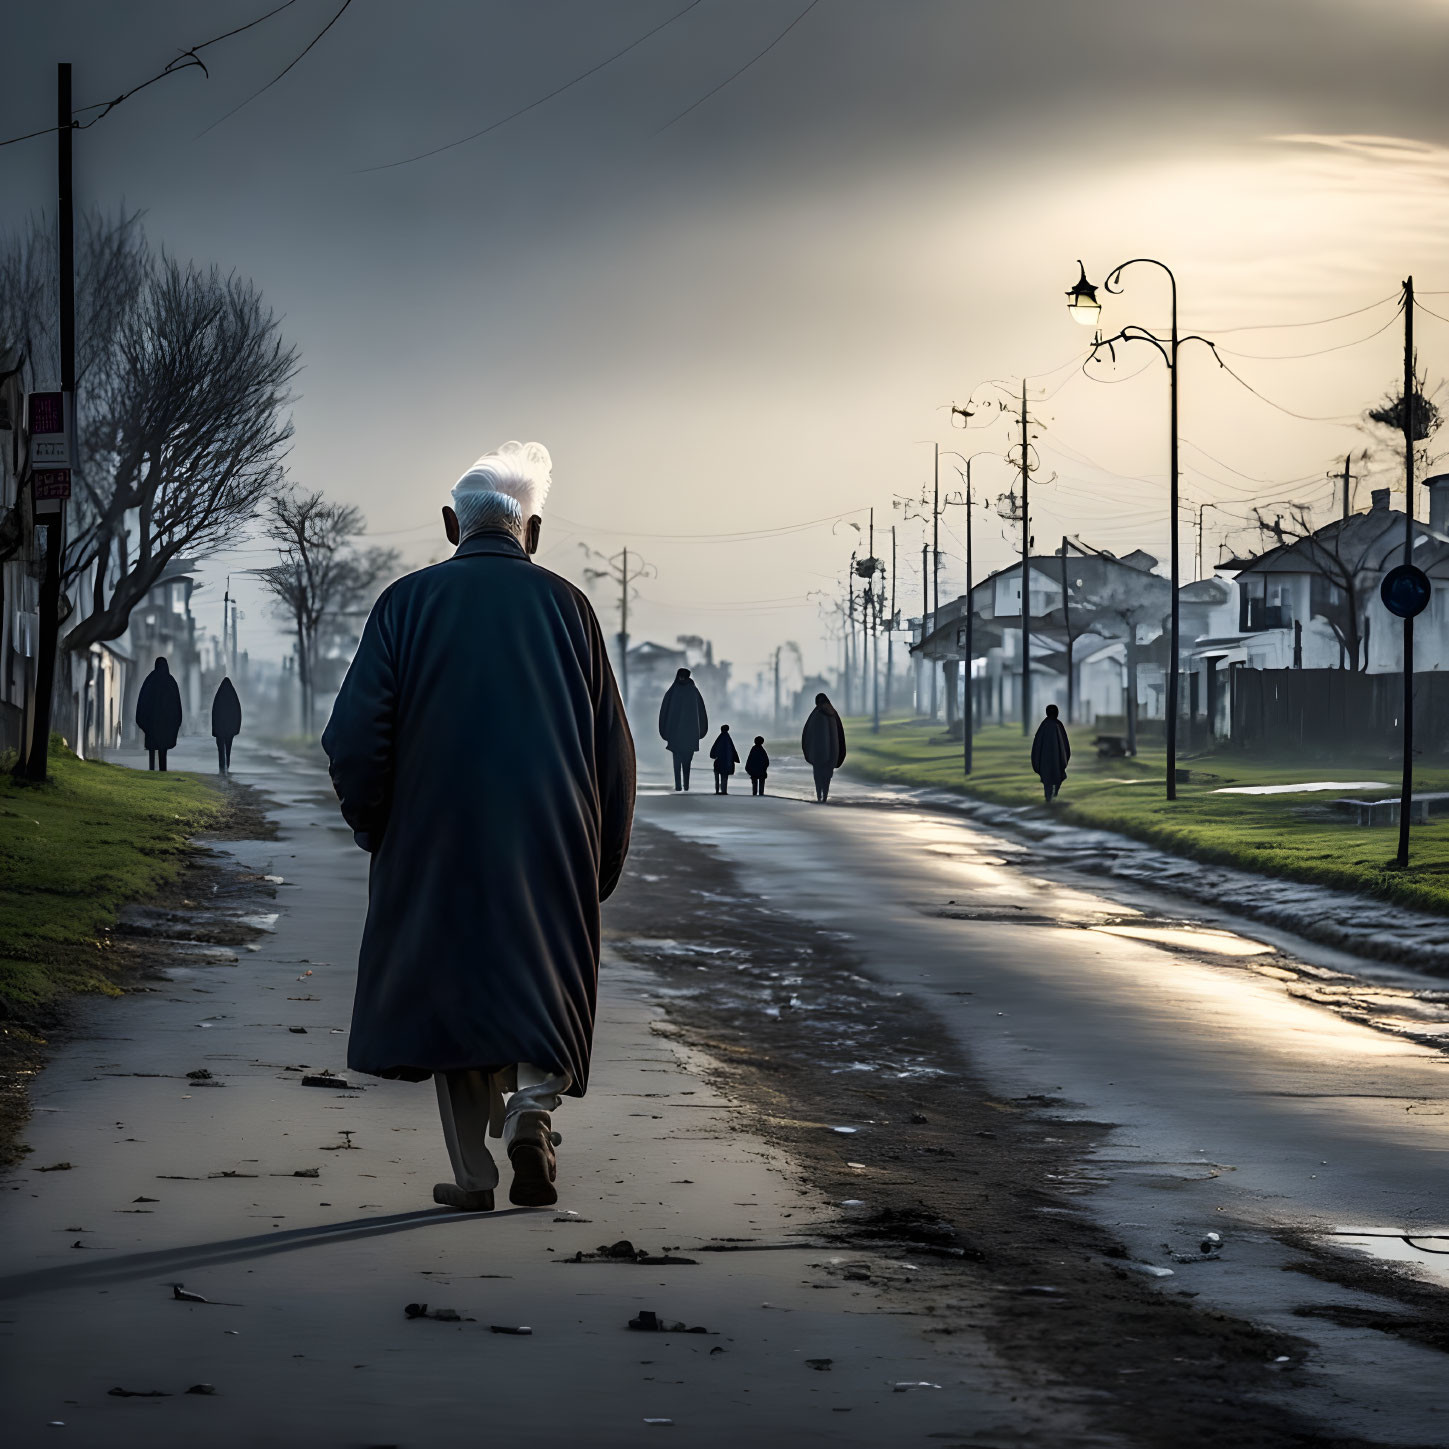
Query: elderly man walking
[480,954]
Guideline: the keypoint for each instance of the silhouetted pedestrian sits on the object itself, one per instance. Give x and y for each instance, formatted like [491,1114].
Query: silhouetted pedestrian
[725,758]
[1050,751]
[822,742]
[683,723]
[757,766]
[158,714]
[225,723]
[480,956]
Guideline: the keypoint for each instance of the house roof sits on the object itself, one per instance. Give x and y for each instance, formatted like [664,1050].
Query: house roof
[1371,542]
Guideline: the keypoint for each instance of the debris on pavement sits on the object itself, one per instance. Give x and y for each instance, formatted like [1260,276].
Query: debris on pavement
[649,1322]
[297,1030]
[346,1145]
[181,1295]
[138,1393]
[326,1079]
[441,1315]
[202,1389]
[201,1074]
[658,1421]
[905,1388]
[145,1199]
[625,1252]
[56,1167]
[522,1332]
[820,1365]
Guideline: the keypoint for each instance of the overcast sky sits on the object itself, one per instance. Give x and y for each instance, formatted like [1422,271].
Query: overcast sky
[756,316]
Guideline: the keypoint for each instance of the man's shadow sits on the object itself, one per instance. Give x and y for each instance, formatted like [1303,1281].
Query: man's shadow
[169,1263]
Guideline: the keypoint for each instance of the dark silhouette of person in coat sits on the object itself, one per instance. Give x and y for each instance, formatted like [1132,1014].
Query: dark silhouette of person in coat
[757,766]
[1050,752]
[683,723]
[480,954]
[725,758]
[822,742]
[225,723]
[158,714]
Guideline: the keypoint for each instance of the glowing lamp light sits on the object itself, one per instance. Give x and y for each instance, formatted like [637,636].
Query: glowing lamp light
[1082,301]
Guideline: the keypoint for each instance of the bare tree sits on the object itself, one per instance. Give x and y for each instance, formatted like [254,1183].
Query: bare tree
[322,581]
[1348,555]
[1127,600]
[182,386]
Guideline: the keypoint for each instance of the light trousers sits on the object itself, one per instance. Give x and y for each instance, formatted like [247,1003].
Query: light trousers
[471,1106]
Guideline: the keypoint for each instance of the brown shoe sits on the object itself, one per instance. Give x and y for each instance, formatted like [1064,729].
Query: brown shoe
[535,1165]
[449,1194]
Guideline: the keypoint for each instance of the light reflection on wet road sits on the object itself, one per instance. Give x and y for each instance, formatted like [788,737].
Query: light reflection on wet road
[1311,1088]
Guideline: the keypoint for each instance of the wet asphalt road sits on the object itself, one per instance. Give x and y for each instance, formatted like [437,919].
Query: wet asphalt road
[1241,1102]
[212,1184]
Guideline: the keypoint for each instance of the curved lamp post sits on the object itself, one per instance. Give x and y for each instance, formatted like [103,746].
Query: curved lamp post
[1085,308]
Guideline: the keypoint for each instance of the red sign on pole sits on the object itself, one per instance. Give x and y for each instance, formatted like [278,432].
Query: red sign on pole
[52,483]
[47,415]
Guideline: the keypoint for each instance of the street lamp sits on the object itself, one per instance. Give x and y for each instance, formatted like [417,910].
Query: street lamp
[1082,301]
[1084,307]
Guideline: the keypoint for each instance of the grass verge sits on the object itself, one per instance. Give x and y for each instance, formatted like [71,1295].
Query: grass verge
[72,852]
[1300,837]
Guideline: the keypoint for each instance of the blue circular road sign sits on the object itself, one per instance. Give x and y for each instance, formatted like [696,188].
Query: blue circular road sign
[1405,591]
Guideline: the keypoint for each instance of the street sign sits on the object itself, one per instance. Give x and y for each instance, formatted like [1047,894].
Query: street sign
[47,416]
[51,483]
[1405,591]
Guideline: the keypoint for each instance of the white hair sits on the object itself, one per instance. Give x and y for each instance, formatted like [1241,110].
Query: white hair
[503,489]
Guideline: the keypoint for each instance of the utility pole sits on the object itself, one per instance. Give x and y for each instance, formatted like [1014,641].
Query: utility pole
[618,570]
[1348,459]
[874,633]
[849,628]
[37,758]
[1406,787]
[1026,571]
[777,689]
[1067,625]
[891,628]
[967,697]
[227,653]
[935,561]
[925,609]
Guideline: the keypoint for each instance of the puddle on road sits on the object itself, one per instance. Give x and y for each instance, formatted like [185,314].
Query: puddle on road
[1219,943]
[1427,1253]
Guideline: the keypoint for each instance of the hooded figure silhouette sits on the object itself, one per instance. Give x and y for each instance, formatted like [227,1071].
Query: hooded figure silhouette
[725,758]
[226,717]
[822,742]
[683,723]
[158,713]
[1050,751]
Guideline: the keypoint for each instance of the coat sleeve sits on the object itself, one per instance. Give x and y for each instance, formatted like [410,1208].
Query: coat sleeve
[1036,751]
[613,763]
[703,714]
[1066,747]
[359,738]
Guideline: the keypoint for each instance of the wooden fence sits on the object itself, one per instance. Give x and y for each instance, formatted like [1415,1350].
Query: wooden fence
[1313,709]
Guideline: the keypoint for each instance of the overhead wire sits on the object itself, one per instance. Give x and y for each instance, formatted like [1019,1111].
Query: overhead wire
[188,59]
[1322,351]
[730,79]
[290,64]
[569,84]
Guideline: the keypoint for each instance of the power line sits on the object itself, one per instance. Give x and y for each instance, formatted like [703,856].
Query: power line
[1430,310]
[1320,352]
[188,59]
[1317,322]
[1302,417]
[284,70]
[744,536]
[533,105]
[752,60]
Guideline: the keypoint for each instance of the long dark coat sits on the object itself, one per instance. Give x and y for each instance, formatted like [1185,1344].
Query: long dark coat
[158,708]
[225,712]
[1050,751]
[683,719]
[480,752]
[724,754]
[822,741]
[757,763]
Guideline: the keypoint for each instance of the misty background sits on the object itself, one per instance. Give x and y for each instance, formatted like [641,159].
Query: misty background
[738,330]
